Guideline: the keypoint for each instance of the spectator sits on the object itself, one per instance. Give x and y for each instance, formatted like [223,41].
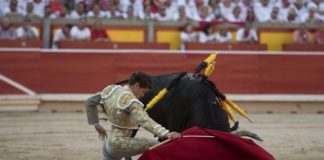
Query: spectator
[300,10]
[319,35]
[6,30]
[207,34]
[246,34]
[301,35]
[311,16]
[98,33]
[138,10]
[39,6]
[63,13]
[245,5]
[96,12]
[130,13]
[250,16]
[62,34]
[30,13]
[223,35]
[27,31]
[204,14]
[13,9]
[114,13]
[161,15]
[215,9]
[226,8]
[292,16]
[183,14]
[48,12]
[55,5]
[79,12]
[236,16]
[319,5]
[284,6]
[187,34]
[81,31]
[274,17]
[263,10]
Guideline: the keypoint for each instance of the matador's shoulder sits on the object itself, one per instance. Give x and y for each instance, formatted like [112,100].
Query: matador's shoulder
[109,90]
[126,99]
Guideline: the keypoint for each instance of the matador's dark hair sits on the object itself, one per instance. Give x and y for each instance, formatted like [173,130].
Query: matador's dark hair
[143,79]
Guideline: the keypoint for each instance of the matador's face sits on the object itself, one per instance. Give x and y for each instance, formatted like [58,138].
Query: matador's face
[138,91]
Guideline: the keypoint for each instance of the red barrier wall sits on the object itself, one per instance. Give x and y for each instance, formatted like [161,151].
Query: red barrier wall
[87,73]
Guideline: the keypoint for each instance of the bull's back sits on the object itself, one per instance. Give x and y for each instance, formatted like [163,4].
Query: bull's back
[190,103]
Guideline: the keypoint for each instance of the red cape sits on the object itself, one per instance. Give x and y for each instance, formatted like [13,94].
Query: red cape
[218,145]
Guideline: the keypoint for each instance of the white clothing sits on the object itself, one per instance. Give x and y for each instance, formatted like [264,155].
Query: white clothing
[58,36]
[240,35]
[78,34]
[203,38]
[222,39]
[21,32]
[75,15]
[188,37]
[262,13]
[226,11]
[101,14]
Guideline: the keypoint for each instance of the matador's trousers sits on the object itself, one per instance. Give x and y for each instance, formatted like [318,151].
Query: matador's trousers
[119,144]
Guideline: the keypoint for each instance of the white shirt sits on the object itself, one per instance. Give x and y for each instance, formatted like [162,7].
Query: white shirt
[283,11]
[58,36]
[240,35]
[203,38]
[262,13]
[75,15]
[117,15]
[39,8]
[21,32]
[8,11]
[226,39]
[78,34]
[244,9]
[188,37]
[157,16]
[226,11]
[101,14]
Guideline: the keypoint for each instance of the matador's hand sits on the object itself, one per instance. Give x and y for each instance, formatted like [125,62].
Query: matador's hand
[173,135]
[101,131]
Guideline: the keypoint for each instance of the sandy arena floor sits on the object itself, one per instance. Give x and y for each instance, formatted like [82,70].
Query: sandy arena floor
[66,136]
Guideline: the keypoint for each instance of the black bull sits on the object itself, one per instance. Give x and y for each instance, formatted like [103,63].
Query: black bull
[192,102]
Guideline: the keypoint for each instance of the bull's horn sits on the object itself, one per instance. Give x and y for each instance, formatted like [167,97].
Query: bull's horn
[247,133]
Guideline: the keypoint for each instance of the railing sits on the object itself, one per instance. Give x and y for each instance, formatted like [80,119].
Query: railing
[226,46]
[110,45]
[303,47]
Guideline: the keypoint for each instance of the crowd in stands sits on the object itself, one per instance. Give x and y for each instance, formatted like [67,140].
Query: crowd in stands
[240,11]
[290,11]
[246,34]
[217,34]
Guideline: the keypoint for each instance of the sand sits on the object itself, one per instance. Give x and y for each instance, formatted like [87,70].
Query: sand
[67,136]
